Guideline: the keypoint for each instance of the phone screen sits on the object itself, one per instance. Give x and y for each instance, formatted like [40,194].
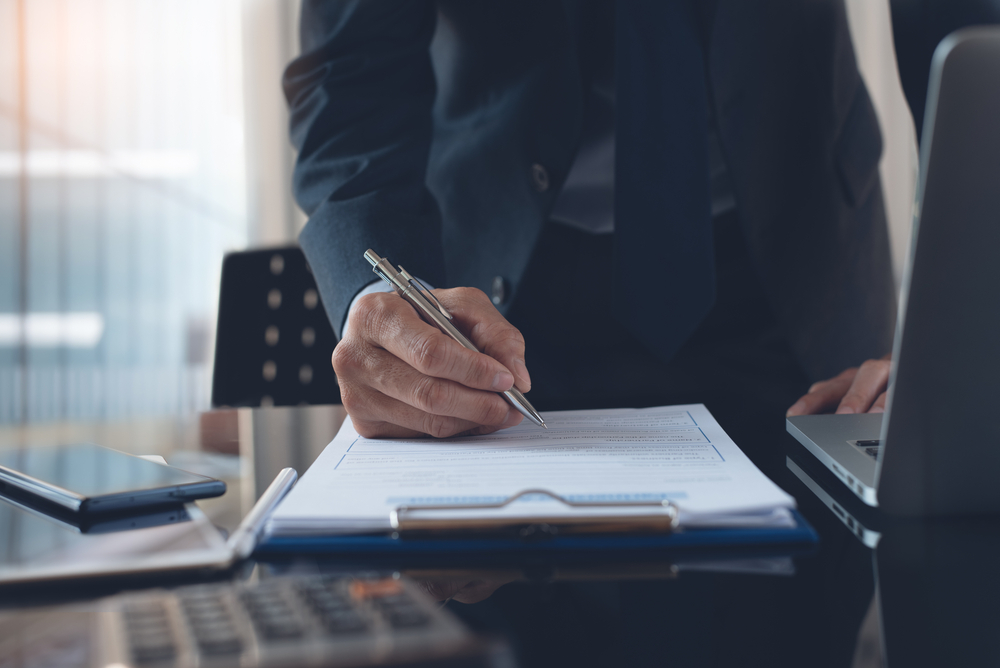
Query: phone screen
[92,471]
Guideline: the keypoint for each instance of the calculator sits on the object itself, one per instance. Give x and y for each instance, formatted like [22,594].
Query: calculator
[286,620]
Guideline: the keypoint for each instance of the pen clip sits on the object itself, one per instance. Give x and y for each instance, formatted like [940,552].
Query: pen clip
[379,266]
[425,291]
[381,274]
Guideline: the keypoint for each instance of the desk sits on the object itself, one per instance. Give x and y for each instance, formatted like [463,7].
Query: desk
[940,591]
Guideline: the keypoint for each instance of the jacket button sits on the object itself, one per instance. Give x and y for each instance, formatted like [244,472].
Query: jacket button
[539,178]
[498,291]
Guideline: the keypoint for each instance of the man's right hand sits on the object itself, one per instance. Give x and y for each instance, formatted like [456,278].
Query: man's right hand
[401,377]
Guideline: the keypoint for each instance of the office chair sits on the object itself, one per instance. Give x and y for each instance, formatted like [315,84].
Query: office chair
[273,341]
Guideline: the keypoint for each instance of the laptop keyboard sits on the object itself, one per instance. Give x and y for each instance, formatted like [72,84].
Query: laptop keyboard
[871,447]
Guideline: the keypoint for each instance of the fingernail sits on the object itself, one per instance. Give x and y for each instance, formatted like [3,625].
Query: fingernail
[877,409]
[845,410]
[503,381]
[522,373]
[796,409]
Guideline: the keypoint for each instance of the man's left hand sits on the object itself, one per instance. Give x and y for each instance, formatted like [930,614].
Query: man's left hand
[855,390]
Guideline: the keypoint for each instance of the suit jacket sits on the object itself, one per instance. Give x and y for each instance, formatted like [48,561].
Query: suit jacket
[422,128]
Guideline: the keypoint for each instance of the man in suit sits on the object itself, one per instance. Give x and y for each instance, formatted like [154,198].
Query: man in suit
[665,201]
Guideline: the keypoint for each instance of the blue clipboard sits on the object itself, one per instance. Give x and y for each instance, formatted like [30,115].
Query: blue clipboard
[681,540]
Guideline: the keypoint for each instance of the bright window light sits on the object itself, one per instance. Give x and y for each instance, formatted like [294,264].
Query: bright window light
[51,330]
[93,164]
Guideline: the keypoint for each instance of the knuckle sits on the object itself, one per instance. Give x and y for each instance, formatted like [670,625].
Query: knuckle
[505,335]
[349,398]
[374,314]
[438,426]
[472,295]
[493,411]
[516,336]
[365,308]
[499,338]
[367,429]
[852,398]
[431,395]
[431,353]
[342,358]
[481,372]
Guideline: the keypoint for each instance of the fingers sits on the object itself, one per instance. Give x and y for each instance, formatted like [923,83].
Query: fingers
[490,331]
[879,405]
[857,390]
[824,395]
[402,377]
[869,383]
[388,322]
[394,378]
[376,415]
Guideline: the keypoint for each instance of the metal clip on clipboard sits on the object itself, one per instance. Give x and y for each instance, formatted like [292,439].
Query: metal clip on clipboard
[402,519]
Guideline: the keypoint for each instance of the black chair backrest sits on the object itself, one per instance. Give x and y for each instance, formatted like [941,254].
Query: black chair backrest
[273,340]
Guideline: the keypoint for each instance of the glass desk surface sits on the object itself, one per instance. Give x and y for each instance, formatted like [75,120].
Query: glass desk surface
[927,594]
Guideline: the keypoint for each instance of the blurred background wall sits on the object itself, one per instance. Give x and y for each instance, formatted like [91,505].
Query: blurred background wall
[139,141]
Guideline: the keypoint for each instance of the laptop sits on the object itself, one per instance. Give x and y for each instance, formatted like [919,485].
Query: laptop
[866,526]
[936,449]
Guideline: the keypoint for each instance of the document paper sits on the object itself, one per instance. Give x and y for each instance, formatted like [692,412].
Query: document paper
[679,453]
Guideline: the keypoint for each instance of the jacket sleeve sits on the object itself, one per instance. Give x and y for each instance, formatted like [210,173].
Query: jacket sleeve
[360,98]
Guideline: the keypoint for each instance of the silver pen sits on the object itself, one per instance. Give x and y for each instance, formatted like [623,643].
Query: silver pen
[428,306]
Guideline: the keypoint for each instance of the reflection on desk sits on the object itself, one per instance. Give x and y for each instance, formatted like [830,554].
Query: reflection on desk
[937,582]
[281,621]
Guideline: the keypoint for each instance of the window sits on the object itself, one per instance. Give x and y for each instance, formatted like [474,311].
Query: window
[122,183]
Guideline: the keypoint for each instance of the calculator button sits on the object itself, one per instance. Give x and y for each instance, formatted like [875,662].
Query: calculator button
[153,654]
[272,616]
[149,634]
[401,611]
[222,644]
[343,622]
[281,630]
[149,648]
[329,605]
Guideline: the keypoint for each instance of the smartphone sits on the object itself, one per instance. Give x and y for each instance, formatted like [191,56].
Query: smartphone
[88,479]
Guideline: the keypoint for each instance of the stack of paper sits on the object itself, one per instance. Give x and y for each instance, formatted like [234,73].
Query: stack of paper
[679,453]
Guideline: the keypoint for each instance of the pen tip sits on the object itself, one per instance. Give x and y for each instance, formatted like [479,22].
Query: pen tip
[545,426]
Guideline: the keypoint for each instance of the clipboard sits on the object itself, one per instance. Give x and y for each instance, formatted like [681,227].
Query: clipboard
[411,535]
